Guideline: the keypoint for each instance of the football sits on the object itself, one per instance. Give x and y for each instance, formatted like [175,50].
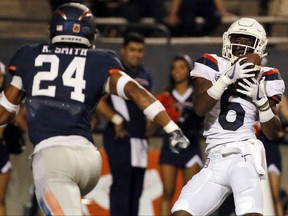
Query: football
[251,58]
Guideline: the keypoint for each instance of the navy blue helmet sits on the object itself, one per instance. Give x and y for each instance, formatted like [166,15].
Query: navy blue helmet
[73,23]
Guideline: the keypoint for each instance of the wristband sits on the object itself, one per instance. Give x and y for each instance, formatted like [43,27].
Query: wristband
[117,119]
[153,109]
[265,116]
[12,108]
[171,126]
[122,81]
[217,89]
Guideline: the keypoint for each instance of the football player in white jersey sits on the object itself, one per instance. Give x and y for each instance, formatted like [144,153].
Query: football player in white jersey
[236,159]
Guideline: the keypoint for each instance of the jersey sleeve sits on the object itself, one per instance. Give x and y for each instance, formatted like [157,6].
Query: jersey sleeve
[275,86]
[112,62]
[206,67]
[17,62]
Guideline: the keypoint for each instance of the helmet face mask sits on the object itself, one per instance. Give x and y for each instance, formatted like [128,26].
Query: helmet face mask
[245,28]
[73,23]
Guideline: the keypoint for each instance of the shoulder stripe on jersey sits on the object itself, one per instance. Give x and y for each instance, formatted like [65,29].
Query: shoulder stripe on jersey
[209,61]
[12,67]
[114,70]
[272,74]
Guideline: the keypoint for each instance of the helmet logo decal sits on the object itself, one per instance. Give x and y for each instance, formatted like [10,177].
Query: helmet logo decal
[59,28]
[76,28]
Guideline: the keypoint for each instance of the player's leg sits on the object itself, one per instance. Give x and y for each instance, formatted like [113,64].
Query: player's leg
[204,193]
[90,165]
[55,180]
[168,177]
[187,174]
[246,186]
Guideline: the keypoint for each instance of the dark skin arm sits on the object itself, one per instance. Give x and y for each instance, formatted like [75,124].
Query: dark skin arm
[14,96]
[140,96]
[272,127]
[203,103]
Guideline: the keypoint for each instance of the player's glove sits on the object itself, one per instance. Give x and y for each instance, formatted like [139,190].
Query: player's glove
[178,141]
[239,70]
[256,91]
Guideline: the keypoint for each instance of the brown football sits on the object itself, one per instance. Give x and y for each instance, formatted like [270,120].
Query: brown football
[251,58]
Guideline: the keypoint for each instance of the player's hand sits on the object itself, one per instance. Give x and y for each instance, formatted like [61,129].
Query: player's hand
[178,141]
[256,91]
[239,70]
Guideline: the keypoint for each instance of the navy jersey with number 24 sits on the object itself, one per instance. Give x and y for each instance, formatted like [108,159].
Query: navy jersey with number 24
[62,86]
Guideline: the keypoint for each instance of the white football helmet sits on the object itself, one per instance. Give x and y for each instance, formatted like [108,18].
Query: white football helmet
[246,27]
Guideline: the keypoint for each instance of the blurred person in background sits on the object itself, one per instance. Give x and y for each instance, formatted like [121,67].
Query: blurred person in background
[124,136]
[177,100]
[181,17]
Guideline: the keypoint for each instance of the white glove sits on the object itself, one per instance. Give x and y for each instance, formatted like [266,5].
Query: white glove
[178,141]
[256,91]
[239,70]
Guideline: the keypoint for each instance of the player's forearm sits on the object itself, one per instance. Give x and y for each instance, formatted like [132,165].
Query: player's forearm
[202,101]
[270,122]
[5,116]
[203,104]
[143,99]
[8,109]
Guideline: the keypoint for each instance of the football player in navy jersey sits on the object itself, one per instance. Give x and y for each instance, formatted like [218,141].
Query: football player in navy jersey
[236,159]
[63,81]
[125,133]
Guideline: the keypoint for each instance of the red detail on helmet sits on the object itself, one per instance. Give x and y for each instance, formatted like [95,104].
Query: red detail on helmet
[87,13]
[61,13]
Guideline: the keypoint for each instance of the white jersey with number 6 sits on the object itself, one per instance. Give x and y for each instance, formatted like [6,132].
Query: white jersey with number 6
[234,115]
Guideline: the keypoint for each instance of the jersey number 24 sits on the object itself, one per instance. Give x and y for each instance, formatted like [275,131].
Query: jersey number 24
[73,76]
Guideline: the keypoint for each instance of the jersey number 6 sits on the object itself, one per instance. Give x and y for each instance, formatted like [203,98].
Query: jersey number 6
[227,106]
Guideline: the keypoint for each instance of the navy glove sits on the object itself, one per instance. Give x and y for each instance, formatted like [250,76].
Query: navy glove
[178,141]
